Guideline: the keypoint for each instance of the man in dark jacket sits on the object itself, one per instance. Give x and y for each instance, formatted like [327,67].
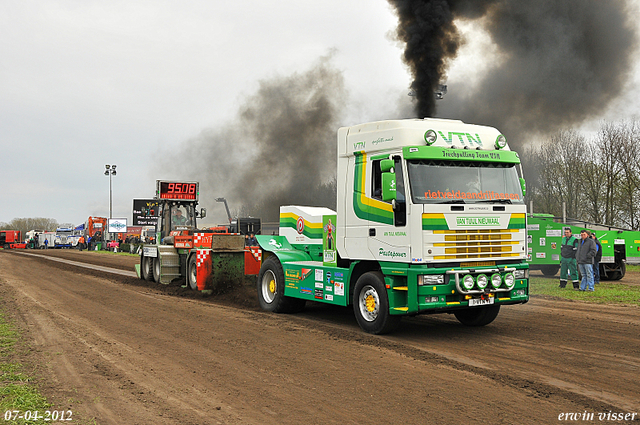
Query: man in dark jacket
[568,262]
[585,255]
[597,259]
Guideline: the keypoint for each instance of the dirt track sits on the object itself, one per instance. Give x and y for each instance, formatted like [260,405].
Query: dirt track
[121,350]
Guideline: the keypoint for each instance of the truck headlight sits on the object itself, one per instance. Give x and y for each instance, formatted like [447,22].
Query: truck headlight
[496,280]
[467,282]
[430,137]
[521,274]
[509,280]
[430,279]
[483,281]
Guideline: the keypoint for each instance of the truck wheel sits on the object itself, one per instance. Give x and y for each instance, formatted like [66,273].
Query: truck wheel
[371,305]
[156,269]
[192,273]
[549,270]
[271,289]
[145,268]
[478,316]
[622,270]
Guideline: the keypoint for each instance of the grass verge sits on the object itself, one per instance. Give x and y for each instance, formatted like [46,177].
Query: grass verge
[17,390]
[613,292]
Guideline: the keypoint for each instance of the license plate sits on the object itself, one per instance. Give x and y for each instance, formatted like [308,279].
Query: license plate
[477,301]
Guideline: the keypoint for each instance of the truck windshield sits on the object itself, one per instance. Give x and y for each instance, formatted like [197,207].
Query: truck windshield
[441,182]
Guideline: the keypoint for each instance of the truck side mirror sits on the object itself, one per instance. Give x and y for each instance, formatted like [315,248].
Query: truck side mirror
[386,165]
[388,186]
[203,212]
[388,180]
[523,185]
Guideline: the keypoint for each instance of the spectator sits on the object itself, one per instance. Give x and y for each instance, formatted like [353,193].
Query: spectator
[584,255]
[597,259]
[568,259]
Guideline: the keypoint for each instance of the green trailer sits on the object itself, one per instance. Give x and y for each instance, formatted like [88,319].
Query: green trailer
[544,237]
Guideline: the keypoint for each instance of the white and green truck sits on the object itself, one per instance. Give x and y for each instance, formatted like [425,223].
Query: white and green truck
[430,219]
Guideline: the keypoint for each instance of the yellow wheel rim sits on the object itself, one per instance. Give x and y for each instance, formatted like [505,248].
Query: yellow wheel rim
[272,286]
[370,303]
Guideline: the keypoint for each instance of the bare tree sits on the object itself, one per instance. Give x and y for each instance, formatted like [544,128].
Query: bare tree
[592,174]
[598,179]
[609,141]
[556,166]
[26,224]
[628,156]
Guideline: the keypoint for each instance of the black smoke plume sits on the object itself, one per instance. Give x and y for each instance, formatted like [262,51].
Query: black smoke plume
[560,62]
[279,150]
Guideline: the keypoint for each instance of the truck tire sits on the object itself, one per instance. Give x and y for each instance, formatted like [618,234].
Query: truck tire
[156,270]
[371,305]
[549,270]
[145,268]
[617,274]
[192,273]
[477,316]
[271,289]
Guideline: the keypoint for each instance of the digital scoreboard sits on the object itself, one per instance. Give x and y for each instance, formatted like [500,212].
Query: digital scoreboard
[178,191]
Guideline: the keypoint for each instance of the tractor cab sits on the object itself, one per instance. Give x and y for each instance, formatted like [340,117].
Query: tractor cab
[177,202]
[176,216]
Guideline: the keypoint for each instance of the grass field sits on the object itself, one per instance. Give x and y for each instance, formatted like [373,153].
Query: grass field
[622,292]
[17,391]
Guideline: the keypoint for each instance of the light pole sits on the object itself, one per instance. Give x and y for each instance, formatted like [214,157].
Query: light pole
[110,171]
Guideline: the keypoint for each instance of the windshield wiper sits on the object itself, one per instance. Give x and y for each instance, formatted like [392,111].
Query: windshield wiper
[457,201]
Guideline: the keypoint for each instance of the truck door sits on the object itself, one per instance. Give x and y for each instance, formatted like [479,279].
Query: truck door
[389,238]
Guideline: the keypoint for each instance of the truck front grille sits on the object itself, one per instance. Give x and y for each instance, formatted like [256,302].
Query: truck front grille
[474,244]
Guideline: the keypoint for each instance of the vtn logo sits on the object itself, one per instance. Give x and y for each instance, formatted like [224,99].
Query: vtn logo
[461,138]
[358,146]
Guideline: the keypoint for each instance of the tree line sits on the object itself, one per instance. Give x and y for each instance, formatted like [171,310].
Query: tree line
[26,224]
[598,178]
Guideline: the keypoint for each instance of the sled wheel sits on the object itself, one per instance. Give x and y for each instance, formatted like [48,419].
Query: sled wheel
[192,274]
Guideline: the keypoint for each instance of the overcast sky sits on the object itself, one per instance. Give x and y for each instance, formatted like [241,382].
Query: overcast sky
[89,83]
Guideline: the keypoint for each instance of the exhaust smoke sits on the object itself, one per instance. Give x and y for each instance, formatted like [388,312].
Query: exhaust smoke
[279,150]
[561,63]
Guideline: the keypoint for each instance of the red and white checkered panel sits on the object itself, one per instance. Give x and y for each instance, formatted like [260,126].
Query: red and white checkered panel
[201,256]
[256,252]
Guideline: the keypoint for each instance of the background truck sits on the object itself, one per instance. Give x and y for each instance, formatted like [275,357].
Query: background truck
[49,237]
[64,238]
[430,218]
[11,239]
[95,228]
[544,232]
[31,238]
[209,259]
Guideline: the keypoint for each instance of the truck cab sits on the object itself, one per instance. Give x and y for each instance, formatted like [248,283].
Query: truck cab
[411,182]
[430,218]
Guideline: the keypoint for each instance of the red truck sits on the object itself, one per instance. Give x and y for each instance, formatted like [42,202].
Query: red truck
[11,239]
